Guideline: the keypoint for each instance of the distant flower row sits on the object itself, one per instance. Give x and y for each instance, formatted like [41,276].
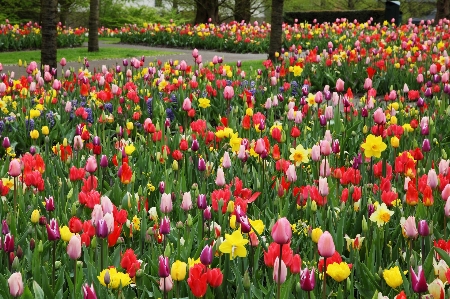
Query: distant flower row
[28,36]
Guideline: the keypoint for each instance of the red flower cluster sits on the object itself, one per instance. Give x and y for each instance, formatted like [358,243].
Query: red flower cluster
[130,263]
[200,277]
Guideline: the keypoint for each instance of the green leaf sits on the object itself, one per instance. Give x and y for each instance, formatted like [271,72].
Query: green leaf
[38,292]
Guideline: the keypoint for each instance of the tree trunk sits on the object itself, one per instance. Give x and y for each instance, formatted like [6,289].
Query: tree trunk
[93,26]
[242,10]
[175,5]
[205,10]
[276,32]
[351,4]
[49,33]
[443,9]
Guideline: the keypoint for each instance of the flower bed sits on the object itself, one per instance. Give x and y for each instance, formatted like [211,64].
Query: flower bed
[28,37]
[166,179]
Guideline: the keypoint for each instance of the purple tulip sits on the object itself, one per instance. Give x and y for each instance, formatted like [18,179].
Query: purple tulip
[207,213]
[195,145]
[423,228]
[96,140]
[335,147]
[418,281]
[89,292]
[201,164]
[420,102]
[125,62]
[206,256]
[307,280]
[426,147]
[322,120]
[201,201]
[163,269]
[245,224]
[364,112]
[49,204]
[104,161]
[428,92]
[8,244]
[101,230]
[165,226]
[5,228]
[53,230]
[6,143]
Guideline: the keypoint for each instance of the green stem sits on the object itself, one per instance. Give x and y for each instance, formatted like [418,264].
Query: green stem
[324,285]
[279,272]
[54,261]
[75,281]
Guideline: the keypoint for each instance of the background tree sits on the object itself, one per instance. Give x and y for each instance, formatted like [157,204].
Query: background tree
[242,10]
[93,26]
[205,10]
[276,31]
[442,9]
[48,22]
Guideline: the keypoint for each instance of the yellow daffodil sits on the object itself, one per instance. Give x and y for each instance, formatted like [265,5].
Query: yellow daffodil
[299,155]
[393,277]
[257,225]
[374,146]
[136,223]
[381,215]
[234,244]
[129,149]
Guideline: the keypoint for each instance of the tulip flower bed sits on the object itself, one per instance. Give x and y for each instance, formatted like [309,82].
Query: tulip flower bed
[28,37]
[179,180]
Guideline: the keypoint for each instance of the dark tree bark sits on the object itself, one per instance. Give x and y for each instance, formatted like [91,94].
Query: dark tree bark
[93,26]
[443,9]
[205,10]
[242,10]
[49,14]
[276,31]
[64,7]
[175,5]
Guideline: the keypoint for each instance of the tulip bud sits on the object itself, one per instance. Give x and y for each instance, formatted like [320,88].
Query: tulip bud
[246,281]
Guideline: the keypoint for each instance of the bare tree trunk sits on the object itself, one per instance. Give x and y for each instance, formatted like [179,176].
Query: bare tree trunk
[205,10]
[93,26]
[242,10]
[351,4]
[443,9]
[49,43]
[175,5]
[276,32]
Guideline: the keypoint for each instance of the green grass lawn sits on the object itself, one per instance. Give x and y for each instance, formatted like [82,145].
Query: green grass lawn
[109,40]
[74,54]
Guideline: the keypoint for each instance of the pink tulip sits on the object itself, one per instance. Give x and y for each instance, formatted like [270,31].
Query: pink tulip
[291,174]
[282,231]
[379,117]
[433,69]
[432,179]
[445,77]
[2,87]
[323,186]
[220,178]
[325,147]
[419,78]
[166,203]
[315,153]
[91,165]
[329,112]
[187,104]
[198,60]
[392,95]
[324,170]
[410,227]
[283,272]
[109,219]
[77,142]
[166,283]
[273,81]
[14,168]
[326,245]
[226,163]
[318,97]
[63,62]
[405,88]
[443,166]
[447,208]
[446,192]
[15,284]
[183,65]
[215,59]
[74,247]
[368,84]
[195,53]
[228,92]
[339,85]
[260,146]
[186,203]
[97,214]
